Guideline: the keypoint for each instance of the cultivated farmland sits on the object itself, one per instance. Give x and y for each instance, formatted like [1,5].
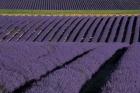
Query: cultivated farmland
[70,4]
[69,46]
[70,29]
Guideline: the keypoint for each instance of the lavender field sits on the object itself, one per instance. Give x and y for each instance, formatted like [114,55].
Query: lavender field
[69,46]
[35,67]
[70,29]
[70,4]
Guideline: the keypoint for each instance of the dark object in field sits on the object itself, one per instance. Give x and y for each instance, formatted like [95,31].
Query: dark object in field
[126,78]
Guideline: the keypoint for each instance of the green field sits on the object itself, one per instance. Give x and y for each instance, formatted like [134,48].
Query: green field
[68,12]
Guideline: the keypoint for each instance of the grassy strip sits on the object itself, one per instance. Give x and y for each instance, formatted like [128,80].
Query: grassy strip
[68,12]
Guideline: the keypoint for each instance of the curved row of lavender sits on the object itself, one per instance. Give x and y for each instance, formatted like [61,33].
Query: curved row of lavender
[70,29]
[69,4]
[28,67]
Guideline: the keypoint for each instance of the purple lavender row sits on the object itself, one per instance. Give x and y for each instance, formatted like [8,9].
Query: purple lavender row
[137,29]
[107,29]
[77,29]
[49,28]
[37,30]
[62,31]
[84,31]
[69,31]
[91,32]
[123,29]
[32,30]
[100,29]
[57,27]
[16,29]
